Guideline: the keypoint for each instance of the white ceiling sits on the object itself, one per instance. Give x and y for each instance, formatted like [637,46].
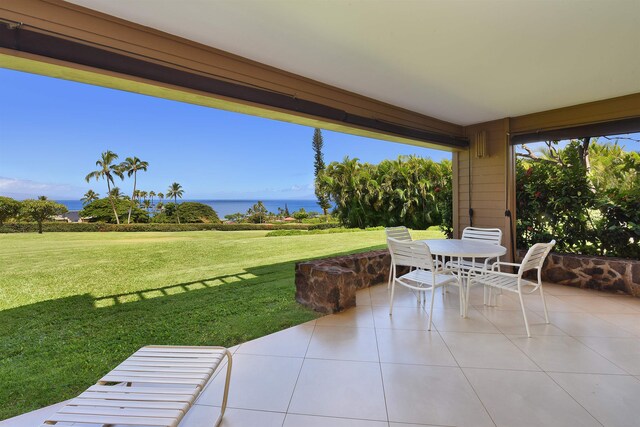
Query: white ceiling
[464,61]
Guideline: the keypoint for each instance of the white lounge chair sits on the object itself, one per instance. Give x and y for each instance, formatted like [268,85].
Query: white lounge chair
[156,386]
[513,282]
[423,276]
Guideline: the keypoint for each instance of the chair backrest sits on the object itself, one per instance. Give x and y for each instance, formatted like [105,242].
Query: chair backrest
[487,235]
[410,254]
[535,256]
[398,233]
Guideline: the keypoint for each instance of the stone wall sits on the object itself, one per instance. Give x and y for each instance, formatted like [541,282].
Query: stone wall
[329,285]
[601,273]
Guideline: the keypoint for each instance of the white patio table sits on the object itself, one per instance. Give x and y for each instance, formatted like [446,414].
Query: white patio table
[459,249]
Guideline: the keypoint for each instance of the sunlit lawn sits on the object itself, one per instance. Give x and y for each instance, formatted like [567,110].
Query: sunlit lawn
[73,305]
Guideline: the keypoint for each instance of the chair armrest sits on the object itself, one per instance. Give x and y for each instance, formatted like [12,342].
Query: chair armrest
[508,263]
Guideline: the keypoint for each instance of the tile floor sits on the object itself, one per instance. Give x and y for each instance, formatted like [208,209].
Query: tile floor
[362,368]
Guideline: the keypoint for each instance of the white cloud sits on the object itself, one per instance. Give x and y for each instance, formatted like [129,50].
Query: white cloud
[24,188]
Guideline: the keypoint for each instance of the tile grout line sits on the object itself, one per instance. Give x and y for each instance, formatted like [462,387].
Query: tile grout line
[304,358]
[602,355]
[384,391]
[555,382]
[466,378]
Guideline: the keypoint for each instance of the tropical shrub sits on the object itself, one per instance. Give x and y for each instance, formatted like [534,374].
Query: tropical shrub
[101,211]
[586,196]
[9,209]
[409,191]
[40,210]
[189,212]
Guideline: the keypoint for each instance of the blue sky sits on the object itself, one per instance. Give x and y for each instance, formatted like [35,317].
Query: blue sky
[52,132]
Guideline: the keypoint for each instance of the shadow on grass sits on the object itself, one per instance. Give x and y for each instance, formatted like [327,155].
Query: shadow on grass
[53,350]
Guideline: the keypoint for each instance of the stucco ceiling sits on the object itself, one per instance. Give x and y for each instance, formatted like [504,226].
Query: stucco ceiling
[464,61]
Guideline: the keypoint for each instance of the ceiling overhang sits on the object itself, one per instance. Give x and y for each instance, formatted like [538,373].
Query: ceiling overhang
[171,51]
[113,51]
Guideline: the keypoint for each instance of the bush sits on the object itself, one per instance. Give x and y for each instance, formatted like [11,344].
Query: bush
[319,231]
[101,211]
[409,191]
[9,209]
[591,211]
[324,225]
[40,210]
[189,212]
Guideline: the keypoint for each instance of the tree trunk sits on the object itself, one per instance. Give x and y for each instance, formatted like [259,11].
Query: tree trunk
[39,227]
[113,205]
[135,176]
[175,200]
[584,154]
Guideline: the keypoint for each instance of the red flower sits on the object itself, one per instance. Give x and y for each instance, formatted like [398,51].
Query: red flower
[529,171]
[529,228]
[437,190]
[538,194]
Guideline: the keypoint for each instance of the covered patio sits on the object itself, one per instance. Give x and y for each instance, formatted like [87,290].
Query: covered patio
[363,368]
[473,78]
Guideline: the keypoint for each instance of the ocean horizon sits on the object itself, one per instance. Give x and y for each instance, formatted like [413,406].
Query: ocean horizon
[230,206]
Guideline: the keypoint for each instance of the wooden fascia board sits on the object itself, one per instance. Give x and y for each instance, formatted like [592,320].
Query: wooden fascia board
[619,108]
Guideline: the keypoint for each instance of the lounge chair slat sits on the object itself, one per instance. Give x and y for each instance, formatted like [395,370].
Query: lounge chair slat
[134,373]
[120,412]
[152,380]
[209,350]
[169,361]
[187,391]
[156,368]
[138,397]
[105,419]
[180,406]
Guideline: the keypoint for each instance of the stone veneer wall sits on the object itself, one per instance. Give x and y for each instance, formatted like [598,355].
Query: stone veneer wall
[601,273]
[329,285]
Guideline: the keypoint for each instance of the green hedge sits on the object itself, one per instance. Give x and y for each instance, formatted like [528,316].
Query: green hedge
[323,226]
[24,227]
[333,230]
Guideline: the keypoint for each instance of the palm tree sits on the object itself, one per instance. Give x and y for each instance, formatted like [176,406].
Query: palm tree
[106,171]
[159,204]
[89,197]
[175,190]
[116,193]
[131,166]
[152,194]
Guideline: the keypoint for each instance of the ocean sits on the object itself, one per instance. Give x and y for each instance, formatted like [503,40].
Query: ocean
[227,207]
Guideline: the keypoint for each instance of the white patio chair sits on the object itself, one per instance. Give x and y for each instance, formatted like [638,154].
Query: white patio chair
[399,233]
[476,234]
[513,282]
[423,276]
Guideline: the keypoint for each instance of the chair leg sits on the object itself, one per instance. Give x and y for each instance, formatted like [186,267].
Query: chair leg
[524,315]
[391,274]
[393,287]
[433,294]
[544,304]
[466,299]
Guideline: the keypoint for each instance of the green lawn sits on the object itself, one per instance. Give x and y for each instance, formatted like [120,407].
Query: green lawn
[73,305]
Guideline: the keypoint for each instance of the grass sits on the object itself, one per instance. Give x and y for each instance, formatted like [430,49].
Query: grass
[73,305]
